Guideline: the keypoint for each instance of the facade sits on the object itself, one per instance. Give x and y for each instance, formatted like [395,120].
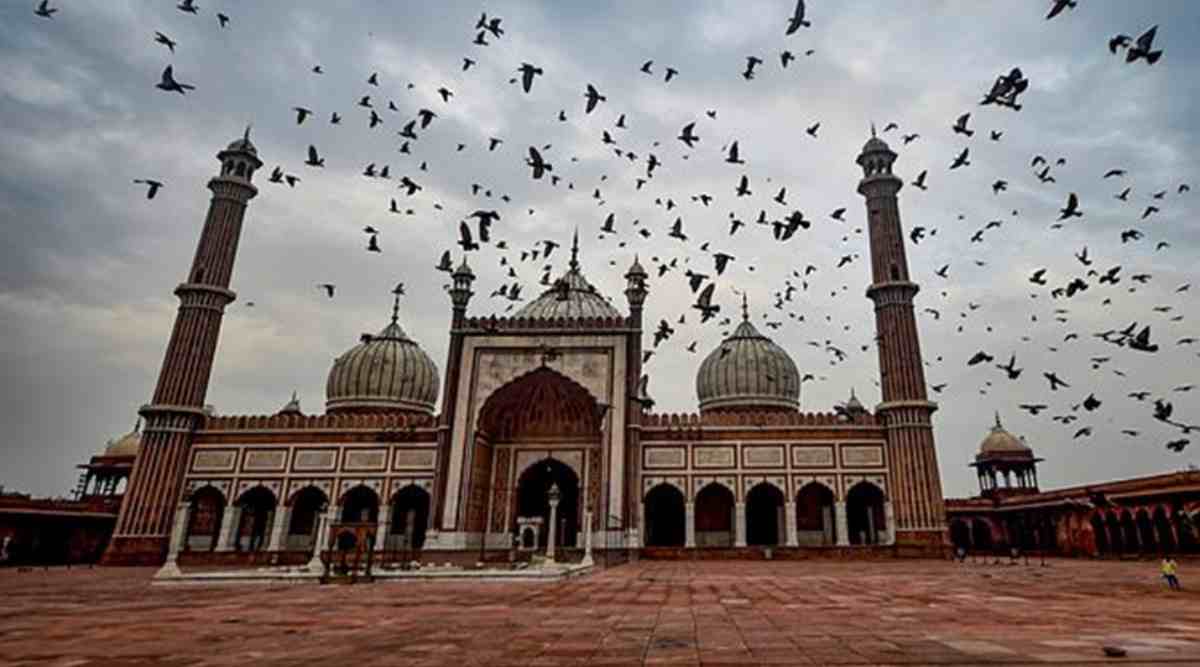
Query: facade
[552,397]
[1141,516]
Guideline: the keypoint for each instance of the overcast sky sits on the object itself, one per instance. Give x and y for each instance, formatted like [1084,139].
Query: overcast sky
[88,264]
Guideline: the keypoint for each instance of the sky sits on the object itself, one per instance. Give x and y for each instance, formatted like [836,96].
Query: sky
[88,263]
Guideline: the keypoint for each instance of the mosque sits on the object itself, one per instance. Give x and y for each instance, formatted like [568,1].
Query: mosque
[546,434]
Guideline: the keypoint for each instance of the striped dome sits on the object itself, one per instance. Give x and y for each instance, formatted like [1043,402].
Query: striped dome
[748,371]
[570,296]
[387,371]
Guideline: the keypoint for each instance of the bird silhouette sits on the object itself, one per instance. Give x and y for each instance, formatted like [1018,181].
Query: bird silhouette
[169,84]
[797,21]
[152,188]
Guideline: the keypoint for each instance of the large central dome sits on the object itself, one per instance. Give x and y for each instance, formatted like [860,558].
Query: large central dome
[748,372]
[385,372]
[570,296]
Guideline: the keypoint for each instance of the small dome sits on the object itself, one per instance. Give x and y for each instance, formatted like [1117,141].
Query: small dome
[875,145]
[292,407]
[127,445]
[570,296]
[748,370]
[387,371]
[1001,442]
[243,144]
[854,405]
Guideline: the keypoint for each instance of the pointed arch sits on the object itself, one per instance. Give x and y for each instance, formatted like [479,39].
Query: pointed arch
[540,403]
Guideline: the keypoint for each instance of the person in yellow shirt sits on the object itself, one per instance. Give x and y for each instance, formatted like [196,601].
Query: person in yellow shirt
[1168,572]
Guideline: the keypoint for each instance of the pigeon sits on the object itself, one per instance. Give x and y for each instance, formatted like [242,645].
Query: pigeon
[704,304]
[1084,432]
[410,186]
[1071,209]
[1114,172]
[168,82]
[1033,408]
[960,125]
[812,130]
[1011,368]
[1143,48]
[445,264]
[45,11]
[188,6]
[687,135]
[314,160]
[373,244]
[920,182]
[1058,6]
[446,93]
[751,63]
[301,114]
[671,72]
[797,19]
[646,67]
[527,73]
[1055,382]
[593,98]
[733,157]
[539,165]
[153,186]
[785,58]
[165,41]
[961,159]
[743,190]
[1178,445]
[328,287]
[979,358]
[467,63]
[1091,403]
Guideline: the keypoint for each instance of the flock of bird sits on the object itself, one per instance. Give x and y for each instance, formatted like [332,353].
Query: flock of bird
[694,255]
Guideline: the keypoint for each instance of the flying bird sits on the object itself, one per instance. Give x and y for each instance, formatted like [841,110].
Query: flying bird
[152,188]
[1058,6]
[165,41]
[539,165]
[797,20]
[960,125]
[314,160]
[593,98]
[527,73]
[168,82]
[1143,48]
[45,11]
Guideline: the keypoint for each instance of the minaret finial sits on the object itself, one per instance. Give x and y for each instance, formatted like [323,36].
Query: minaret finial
[745,308]
[246,136]
[872,129]
[575,251]
[998,420]
[395,307]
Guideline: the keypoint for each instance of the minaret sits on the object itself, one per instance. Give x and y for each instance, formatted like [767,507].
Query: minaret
[177,408]
[915,487]
[460,297]
[635,292]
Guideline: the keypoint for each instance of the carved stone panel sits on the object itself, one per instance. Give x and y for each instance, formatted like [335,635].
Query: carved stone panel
[862,455]
[307,460]
[414,459]
[665,457]
[214,460]
[365,459]
[713,457]
[265,460]
[763,456]
[812,456]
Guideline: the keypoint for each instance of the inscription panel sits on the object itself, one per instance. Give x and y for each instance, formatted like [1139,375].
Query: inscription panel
[862,455]
[414,459]
[365,459]
[763,457]
[214,460]
[812,457]
[308,460]
[665,457]
[265,460]
[713,457]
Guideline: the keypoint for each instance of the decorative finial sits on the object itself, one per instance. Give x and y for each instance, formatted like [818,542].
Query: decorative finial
[575,251]
[395,307]
[872,129]
[137,426]
[852,392]
[745,309]
[998,420]
[294,398]
[246,136]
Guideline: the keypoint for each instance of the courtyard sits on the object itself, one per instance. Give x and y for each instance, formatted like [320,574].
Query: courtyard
[651,612]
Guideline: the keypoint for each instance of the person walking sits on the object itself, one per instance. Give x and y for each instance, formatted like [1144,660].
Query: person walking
[1169,569]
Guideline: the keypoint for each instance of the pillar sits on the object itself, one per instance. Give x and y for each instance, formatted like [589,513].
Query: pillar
[843,526]
[231,521]
[179,528]
[739,524]
[551,533]
[587,539]
[279,530]
[641,541]
[689,517]
[889,518]
[384,527]
[793,540]
[320,538]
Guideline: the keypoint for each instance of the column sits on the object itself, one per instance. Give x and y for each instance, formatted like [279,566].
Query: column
[550,534]
[739,524]
[641,541]
[890,518]
[315,565]
[839,520]
[384,527]
[587,539]
[183,513]
[279,530]
[689,517]
[793,540]
[230,522]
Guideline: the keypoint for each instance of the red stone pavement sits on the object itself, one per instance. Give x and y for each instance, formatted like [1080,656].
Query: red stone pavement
[700,612]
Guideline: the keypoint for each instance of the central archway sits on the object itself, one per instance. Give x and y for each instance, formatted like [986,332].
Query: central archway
[533,500]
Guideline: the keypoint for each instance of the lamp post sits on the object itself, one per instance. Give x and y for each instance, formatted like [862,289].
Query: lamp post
[553,495]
